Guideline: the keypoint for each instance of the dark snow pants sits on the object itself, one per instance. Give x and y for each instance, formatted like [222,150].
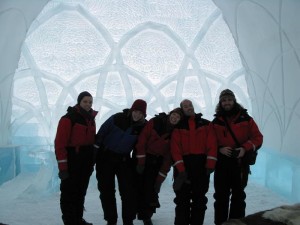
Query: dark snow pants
[108,166]
[190,200]
[230,180]
[147,197]
[73,189]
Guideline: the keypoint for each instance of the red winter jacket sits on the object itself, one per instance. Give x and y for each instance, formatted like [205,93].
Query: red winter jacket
[243,127]
[194,136]
[74,129]
[152,142]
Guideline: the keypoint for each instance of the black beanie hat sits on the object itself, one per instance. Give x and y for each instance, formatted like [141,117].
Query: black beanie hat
[82,95]
[139,105]
[226,92]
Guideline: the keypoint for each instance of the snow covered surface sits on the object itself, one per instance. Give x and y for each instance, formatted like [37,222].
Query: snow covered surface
[33,207]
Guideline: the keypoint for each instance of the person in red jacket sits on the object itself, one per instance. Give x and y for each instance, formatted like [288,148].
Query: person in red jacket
[154,161]
[74,153]
[231,174]
[194,152]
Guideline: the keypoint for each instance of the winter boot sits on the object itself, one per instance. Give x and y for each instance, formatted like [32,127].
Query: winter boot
[148,222]
[128,223]
[111,223]
[83,222]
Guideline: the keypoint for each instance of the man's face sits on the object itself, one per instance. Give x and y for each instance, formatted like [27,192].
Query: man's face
[187,108]
[227,103]
[86,103]
[137,115]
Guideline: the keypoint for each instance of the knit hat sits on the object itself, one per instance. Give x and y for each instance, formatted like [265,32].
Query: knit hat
[82,95]
[178,111]
[226,92]
[139,105]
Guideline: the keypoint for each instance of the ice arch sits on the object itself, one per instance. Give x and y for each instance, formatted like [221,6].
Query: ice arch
[265,34]
[120,52]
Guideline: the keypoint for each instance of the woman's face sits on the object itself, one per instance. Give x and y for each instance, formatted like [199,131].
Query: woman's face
[174,118]
[137,115]
[86,103]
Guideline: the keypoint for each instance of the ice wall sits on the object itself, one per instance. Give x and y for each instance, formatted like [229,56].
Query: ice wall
[15,19]
[265,35]
[159,51]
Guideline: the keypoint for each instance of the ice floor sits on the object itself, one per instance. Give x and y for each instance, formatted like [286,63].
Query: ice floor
[21,205]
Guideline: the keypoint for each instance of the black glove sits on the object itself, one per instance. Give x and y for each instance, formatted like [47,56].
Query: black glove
[180,180]
[63,175]
[140,169]
[157,186]
[209,171]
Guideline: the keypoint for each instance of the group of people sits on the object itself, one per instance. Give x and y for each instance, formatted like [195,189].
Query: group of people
[140,153]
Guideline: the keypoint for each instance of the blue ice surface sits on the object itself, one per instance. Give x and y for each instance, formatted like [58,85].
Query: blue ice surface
[278,172]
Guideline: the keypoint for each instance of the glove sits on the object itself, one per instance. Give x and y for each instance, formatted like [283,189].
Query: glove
[157,187]
[180,180]
[63,175]
[209,171]
[140,168]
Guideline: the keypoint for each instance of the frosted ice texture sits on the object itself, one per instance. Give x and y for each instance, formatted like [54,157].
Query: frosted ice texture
[109,54]
[267,35]
[161,51]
